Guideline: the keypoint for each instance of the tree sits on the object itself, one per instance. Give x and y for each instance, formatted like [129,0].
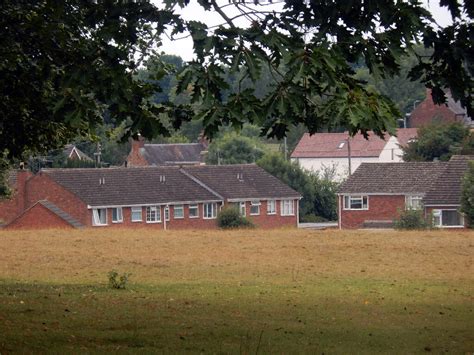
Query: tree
[439,141]
[467,195]
[234,149]
[69,61]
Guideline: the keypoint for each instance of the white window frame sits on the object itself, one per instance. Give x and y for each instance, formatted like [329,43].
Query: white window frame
[243,208]
[287,207]
[213,210]
[257,205]
[349,199]
[166,213]
[271,207]
[96,217]
[157,214]
[136,210]
[194,207]
[119,215]
[177,208]
[438,213]
[409,202]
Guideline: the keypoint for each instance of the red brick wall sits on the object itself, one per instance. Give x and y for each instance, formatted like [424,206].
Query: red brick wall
[12,207]
[262,221]
[427,112]
[42,187]
[38,217]
[381,208]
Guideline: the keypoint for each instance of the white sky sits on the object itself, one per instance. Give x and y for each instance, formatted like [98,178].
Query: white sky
[184,47]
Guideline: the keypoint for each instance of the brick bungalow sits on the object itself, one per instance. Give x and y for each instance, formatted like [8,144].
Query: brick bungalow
[376,193]
[153,197]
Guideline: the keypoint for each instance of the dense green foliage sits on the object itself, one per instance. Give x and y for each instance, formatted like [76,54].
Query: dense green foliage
[467,196]
[69,62]
[234,149]
[230,218]
[439,141]
[318,191]
[410,219]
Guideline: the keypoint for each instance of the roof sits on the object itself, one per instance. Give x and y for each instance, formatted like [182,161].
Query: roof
[254,182]
[145,185]
[69,149]
[331,145]
[447,188]
[393,178]
[172,154]
[130,186]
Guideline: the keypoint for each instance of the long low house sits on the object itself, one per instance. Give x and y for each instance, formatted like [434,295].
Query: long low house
[154,197]
[376,193]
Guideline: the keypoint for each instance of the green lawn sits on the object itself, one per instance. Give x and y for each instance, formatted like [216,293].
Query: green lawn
[251,312]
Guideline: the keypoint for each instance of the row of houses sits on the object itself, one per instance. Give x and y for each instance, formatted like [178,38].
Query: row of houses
[154,197]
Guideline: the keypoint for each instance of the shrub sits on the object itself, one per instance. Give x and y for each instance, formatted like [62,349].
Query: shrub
[311,218]
[467,196]
[119,283]
[412,219]
[231,218]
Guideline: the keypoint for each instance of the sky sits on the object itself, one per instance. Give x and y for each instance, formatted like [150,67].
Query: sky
[184,47]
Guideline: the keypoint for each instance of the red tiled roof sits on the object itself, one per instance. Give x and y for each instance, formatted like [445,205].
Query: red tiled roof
[325,145]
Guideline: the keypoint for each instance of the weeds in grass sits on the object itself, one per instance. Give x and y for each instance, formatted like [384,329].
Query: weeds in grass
[117,281]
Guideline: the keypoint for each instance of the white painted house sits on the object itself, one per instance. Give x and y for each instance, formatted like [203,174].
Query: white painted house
[331,150]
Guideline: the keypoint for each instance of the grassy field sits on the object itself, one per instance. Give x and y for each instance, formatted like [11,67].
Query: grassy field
[279,291]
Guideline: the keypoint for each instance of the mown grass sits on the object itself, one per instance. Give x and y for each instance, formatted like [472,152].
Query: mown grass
[283,291]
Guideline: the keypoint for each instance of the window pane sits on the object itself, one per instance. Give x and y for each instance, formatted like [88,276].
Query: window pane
[136,214]
[193,211]
[178,211]
[451,218]
[271,206]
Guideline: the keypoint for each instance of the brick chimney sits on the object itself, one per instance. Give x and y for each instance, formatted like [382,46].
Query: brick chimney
[22,175]
[135,157]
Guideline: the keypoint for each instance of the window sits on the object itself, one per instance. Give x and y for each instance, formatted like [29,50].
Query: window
[242,208]
[99,216]
[194,211]
[447,218]
[271,207]
[153,214]
[117,216]
[254,208]
[414,202]
[287,208]
[209,210]
[136,214]
[167,213]
[178,212]
[356,202]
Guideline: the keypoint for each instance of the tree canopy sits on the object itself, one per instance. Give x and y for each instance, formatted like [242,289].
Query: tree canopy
[439,141]
[65,64]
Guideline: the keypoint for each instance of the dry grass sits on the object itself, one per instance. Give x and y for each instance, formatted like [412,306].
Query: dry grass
[59,256]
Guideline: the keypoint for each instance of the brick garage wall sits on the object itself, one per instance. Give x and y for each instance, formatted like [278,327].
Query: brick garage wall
[8,209]
[12,207]
[381,208]
[42,187]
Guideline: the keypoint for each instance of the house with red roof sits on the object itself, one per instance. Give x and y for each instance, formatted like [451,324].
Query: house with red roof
[165,197]
[322,151]
[376,193]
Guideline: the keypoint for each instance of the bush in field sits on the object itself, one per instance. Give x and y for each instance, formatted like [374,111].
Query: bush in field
[230,218]
[117,281]
[411,219]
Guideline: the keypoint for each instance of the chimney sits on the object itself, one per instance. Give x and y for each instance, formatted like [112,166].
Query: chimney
[22,175]
[203,140]
[138,143]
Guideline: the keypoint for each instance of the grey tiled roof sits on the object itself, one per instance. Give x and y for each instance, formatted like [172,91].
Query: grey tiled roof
[172,154]
[255,183]
[447,188]
[393,178]
[130,186]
